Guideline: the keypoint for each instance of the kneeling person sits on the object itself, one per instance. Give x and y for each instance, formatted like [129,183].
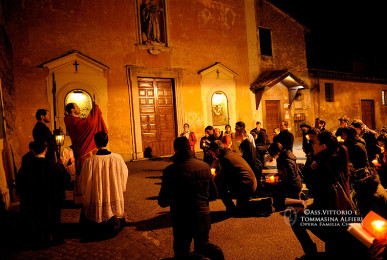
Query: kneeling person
[103,180]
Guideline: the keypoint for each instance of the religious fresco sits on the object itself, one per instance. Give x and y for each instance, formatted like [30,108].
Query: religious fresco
[82,99]
[152,22]
[219,109]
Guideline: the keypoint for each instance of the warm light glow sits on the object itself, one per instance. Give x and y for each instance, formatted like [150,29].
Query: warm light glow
[378,224]
[382,149]
[339,139]
[307,137]
[82,99]
[380,229]
[375,162]
[217,98]
[272,178]
[213,171]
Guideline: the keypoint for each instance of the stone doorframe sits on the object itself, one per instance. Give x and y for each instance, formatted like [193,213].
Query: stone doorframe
[135,72]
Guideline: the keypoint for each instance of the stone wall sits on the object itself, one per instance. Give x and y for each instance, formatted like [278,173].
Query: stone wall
[9,141]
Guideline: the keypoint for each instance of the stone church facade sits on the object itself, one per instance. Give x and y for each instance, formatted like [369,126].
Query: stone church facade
[151,66]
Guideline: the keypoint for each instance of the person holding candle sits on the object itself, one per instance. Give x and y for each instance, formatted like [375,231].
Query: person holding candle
[305,127]
[328,183]
[187,187]
[356,148]
[289,185]
[369,136]
[235,178]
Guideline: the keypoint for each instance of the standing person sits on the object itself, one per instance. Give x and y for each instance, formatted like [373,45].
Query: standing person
[328,183]
[285,137]
[239,136]
[82,133]
[190,136]
[289,182]
[305,127]
[205,143]
[187,187]
[369,137]
[343,122]
[261,142]
[42,133]
[228,130]
[319,123]
[102,185]
[40,183]
[235,178]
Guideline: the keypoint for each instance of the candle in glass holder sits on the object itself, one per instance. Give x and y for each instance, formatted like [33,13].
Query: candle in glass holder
[213,171]
[380,229]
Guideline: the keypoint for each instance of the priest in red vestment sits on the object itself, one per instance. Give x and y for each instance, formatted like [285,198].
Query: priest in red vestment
[82,131]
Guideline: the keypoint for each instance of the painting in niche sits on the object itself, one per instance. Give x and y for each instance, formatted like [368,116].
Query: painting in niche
[219,109]
[82,99]
[152,22]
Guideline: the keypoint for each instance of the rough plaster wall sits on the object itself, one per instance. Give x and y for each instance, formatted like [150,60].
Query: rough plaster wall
[347,97]
[200,33]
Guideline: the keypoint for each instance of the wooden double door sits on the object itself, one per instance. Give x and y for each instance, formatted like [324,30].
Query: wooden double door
[368,113]
[157,115]
[272,117]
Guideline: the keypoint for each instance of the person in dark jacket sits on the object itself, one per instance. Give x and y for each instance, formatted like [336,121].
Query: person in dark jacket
[261,141]
[369,194]
[250,154]
[285,137]
[305,127]
[381,165]
[187,187]
[369,136]
[329,186]
[235,178]
[205,143]
[289,182]
[41,133]
[356,147]
[320,124]
[40,184]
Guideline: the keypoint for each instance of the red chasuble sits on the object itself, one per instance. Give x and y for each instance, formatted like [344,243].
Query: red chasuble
[82,133]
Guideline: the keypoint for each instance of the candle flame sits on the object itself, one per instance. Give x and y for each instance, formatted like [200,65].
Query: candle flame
[307,137]
[378,224]
[213,171]
[272,178]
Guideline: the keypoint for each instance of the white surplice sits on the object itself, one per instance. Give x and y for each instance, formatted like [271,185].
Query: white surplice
[102,181]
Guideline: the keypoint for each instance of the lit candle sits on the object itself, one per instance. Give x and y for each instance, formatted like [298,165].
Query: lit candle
[380,229]
[213,171]
[307,137]
[375,162]
[272,179]
[339,139]
[382,149]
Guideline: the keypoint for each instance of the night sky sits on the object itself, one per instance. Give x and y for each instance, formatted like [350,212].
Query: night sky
[342,32]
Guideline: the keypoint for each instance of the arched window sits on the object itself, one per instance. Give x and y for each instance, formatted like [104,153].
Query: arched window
[82,99]
[219,109]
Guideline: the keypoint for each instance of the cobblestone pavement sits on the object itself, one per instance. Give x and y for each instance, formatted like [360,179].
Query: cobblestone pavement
[148,234]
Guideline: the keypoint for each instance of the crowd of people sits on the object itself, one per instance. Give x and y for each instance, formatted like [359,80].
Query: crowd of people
[100,180]
[345,170]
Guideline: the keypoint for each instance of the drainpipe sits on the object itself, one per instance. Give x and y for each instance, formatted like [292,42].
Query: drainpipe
[132,130]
